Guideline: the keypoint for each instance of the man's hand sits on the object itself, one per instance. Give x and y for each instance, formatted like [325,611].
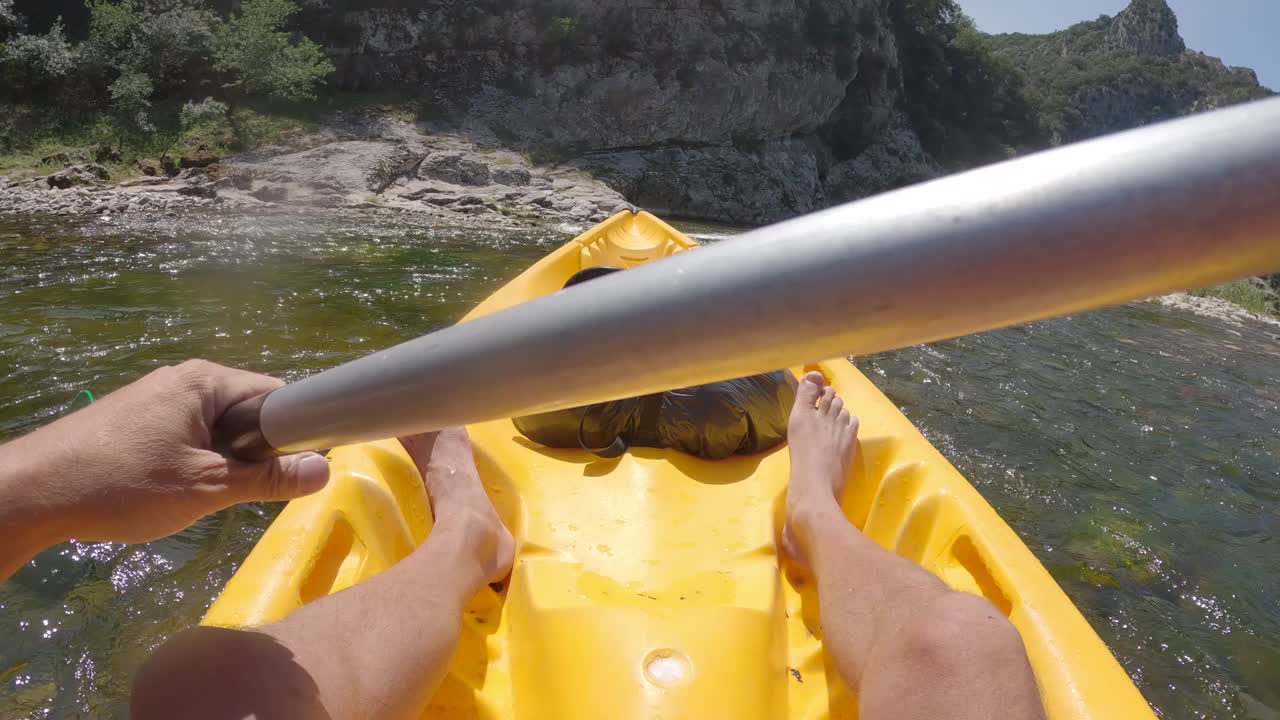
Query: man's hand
[136,465]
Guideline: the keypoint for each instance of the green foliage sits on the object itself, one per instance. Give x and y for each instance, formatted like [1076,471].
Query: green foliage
[1240,292]
[30,134]
[206,114]
[565,27]
[131,97]
[193,113]
[254,49]
[37,60]
[967,104]
[141,60]
[164,39]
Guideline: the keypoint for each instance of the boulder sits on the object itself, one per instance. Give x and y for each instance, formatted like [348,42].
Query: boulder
[105,154]
[456,169]
[85,174]
[513,176]
[403,162]
[270,193]
[201,157]
[201,190]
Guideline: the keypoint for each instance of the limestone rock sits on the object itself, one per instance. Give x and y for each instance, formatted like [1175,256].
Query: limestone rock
[403,162]
[207,191]
[1146,27]
[750,186]
[513,176]
[270,193]
[896,161]
[612,75]
[455,168]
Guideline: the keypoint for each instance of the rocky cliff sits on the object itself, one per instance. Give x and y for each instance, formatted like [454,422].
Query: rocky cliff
[735,110]
[749,111]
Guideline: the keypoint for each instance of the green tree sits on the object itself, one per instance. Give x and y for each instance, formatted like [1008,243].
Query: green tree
[146,48]
[967,104]
[168,40]
[262,58]
[35,62]
[131,98]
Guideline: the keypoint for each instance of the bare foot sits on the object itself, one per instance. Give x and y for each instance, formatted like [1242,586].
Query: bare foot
[822,436]
[458,499]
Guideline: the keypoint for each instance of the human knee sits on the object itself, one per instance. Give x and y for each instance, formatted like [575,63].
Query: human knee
[219,672]
[958,629]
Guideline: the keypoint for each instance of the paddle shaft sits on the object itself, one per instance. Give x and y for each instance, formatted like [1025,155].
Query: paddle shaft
[1180,204]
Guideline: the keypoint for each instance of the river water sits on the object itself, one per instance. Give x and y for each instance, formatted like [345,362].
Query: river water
[1136,450]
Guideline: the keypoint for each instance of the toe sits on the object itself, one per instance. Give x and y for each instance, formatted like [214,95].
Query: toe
[828,394]
[837,406]
[845,417]
[809,389]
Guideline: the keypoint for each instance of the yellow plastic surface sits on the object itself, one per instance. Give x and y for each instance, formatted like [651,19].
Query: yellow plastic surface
[649,586]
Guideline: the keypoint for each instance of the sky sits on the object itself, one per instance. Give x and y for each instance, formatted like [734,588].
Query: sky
[1241,32]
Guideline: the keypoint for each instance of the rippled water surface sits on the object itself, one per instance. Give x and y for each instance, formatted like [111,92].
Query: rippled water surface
[1136,450]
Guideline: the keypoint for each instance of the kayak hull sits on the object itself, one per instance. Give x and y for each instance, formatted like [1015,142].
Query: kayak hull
[650,585]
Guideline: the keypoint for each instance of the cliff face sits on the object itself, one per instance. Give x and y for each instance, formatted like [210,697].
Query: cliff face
[724,109]
[742,110]
[1116,73]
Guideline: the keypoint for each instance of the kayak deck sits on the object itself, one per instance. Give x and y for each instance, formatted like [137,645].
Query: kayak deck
[649,585]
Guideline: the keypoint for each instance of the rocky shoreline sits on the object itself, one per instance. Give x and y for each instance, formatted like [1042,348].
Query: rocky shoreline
[1212,307]
[357,161]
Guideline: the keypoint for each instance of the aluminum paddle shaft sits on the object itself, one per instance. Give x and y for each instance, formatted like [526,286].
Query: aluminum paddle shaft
[1181,204]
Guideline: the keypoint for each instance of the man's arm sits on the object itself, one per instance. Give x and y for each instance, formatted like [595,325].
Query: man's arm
[137,465]
[28,523]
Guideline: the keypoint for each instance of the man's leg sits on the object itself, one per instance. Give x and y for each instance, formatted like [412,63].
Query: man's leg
[909,646]
[379,649]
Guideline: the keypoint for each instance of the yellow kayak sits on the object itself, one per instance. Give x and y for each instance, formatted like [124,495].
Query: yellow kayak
[658,554]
